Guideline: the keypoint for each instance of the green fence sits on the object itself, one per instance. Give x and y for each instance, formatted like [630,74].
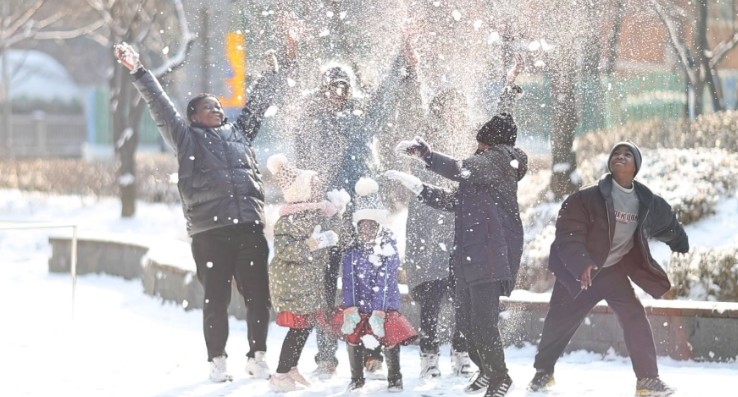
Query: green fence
[605,102]
[102,133]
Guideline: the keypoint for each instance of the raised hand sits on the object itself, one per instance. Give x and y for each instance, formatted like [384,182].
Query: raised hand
[516,69]
[416,148]
[127,56]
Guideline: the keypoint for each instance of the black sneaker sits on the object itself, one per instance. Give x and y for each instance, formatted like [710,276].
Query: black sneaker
[652,387]
[499,388]
[356,383]
[480,382]
[542,381]
[394,385]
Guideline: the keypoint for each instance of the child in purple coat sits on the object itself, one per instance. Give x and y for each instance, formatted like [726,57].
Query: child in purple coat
[371,296]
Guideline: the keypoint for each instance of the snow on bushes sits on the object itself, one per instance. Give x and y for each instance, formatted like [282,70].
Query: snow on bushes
[706,274]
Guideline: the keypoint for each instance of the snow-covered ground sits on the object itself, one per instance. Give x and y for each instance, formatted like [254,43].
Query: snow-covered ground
[119,342]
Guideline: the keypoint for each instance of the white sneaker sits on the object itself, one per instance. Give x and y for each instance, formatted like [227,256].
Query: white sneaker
[257,366]
[325,370]
[429,366]
[218,371]
[282,383]
[461,364]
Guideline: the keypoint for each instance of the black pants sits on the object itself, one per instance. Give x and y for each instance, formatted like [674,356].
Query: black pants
[566,314]
[429,296]
[328,342]
[292,347]
[220,255]
[479,312]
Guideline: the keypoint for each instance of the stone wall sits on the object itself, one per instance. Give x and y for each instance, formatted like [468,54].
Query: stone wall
[683,330]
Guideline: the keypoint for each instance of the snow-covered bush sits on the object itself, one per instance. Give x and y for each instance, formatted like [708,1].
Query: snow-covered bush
[97,178]
[691,180]
[706,274]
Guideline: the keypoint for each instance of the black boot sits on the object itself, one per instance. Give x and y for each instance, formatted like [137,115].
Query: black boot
[394,377]
[356,361]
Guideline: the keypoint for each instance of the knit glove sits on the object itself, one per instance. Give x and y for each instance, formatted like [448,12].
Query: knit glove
[416,148]
[319,239]
[376,322]
[411,182]
[351,319]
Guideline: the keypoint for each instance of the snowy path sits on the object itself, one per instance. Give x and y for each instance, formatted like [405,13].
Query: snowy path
[124,343]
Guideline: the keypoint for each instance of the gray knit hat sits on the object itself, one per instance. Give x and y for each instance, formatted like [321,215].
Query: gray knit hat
[633,149]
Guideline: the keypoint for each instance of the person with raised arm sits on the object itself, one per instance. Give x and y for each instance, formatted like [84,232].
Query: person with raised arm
[222,196]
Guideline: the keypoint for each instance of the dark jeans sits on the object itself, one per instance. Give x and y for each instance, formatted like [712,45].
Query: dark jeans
[479,312]
[292,347]
[429,296]
[566,314]
[327,341]
[220,255]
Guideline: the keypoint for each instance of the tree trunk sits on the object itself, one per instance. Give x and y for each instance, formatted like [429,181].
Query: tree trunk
[593,99]
[701,61]
[564,127]
[125,137]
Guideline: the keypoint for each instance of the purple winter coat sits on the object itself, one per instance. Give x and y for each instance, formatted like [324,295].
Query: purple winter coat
[370,275]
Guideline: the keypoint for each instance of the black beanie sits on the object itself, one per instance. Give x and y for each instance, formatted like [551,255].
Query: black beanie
[633,149]
[500,130]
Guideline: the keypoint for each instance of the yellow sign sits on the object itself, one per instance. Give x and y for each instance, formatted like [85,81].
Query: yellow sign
[236,55]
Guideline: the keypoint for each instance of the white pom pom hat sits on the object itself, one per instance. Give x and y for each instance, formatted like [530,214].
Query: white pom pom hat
[368,202]
[295,183]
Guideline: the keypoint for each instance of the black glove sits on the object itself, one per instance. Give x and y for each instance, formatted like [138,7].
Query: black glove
[681,245]
[416,148]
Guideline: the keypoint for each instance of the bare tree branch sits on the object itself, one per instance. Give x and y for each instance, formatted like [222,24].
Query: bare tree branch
[722,49]
[675,39]
[187,39]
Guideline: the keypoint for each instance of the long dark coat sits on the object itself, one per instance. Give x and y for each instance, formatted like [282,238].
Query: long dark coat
[488,240]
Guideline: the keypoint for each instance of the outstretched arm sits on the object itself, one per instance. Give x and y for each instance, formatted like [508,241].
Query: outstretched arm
[172,126]
[512,91]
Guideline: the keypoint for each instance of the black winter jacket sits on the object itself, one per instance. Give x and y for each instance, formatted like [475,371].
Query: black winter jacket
[219,179]
[488,232]
[586,225]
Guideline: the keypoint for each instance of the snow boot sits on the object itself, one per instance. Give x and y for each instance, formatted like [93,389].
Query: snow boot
[218,371]
[356,361]
[257,367]
[429,365]
[461,363]
[394,377]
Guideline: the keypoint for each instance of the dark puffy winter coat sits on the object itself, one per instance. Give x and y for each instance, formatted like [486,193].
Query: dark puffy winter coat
[586,225]
[488,240]
[219,179]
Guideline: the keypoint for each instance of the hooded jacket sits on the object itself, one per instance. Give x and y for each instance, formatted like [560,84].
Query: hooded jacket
[488,232]
[219,179]
[585,228]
